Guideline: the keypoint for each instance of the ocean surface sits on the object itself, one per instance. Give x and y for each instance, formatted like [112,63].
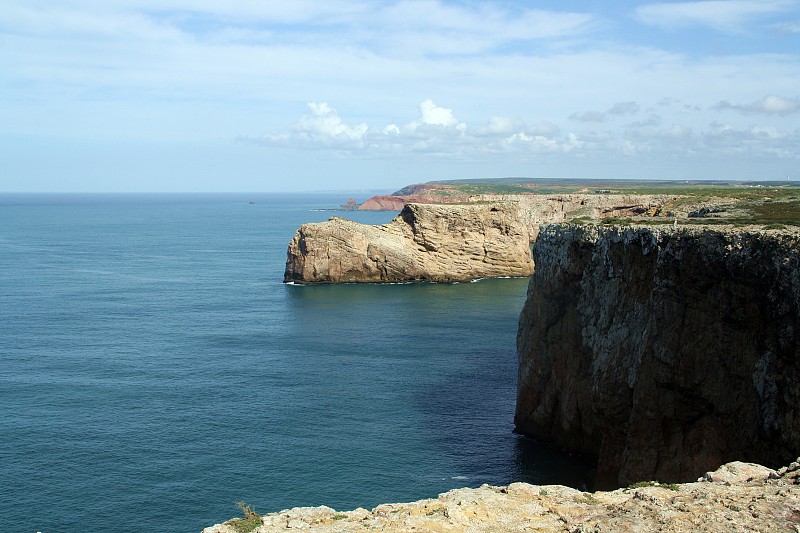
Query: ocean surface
[154,370]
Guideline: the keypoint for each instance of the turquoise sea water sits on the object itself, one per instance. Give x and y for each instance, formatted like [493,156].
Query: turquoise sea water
[154,370]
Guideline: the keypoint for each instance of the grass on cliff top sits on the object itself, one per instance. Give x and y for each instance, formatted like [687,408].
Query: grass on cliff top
[766,203]
[250,521]
[778,212]
[695,188]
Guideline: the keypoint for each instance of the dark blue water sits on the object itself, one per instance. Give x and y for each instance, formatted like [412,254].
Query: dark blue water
[154,370]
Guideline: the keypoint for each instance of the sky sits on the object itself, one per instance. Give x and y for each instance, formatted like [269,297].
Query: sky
[278,96]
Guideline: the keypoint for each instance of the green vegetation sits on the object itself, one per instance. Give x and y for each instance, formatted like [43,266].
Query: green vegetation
[543,492]
[250,521]
[493,189]
[614,221]
[775,204]
[587,499]
[695,188]
[670,486]
[785,212]
[339,517]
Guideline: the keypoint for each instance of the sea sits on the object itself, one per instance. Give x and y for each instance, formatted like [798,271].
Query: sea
[155,370]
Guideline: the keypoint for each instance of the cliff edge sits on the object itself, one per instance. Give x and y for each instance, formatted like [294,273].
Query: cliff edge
[662,352]
[423,243]
[735,497]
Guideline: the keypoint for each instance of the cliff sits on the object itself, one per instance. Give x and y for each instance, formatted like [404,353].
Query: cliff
[736,497]
[423,243]
[662,352]
[385,203]
[539,209]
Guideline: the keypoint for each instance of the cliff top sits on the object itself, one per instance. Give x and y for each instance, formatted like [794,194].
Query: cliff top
[736,497]
[775,204]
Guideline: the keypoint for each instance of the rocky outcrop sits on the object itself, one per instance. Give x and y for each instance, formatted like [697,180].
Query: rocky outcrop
[350,205]
[663,352]
[384,203]
[423,243]
[462,245]
[736,497]
[538,209]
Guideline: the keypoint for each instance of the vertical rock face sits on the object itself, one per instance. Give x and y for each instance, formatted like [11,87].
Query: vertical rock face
[664,353]
[423,243]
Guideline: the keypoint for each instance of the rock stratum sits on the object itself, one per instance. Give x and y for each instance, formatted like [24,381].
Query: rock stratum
[736,497]
[662,352]
[423,243]
[487,236]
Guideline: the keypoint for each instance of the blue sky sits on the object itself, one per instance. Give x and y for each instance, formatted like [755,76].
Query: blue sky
[246,95]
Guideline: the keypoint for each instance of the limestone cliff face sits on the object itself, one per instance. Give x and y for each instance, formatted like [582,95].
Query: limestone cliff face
[423,243]
[551,209]
[665,353]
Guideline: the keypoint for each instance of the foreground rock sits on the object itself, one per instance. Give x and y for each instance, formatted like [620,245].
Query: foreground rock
[736,497]
[662,352]
[423,243]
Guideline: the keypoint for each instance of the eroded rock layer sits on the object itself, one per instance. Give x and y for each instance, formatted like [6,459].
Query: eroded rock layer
[662,352]
[735,497]
[423,243]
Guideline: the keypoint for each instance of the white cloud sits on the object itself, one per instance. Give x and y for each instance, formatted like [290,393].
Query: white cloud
[618,109]
[651,120]
[724,15]
[323,127]
[769,132]
[588,116]
[433,115]
[488,18]
[295,12]
[432,131]
[789,27]
[756,141]
[502,125]
[769,105]
[438,132]
[624,108]
[84,25]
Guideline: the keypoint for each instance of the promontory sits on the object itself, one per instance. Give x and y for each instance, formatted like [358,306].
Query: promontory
[423,243]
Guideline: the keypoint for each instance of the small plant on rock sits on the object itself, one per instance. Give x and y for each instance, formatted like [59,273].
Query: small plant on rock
[250,521]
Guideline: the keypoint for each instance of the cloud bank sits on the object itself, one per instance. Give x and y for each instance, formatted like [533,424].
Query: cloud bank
[437,131]
[414,87]
[729,16]
[769,105]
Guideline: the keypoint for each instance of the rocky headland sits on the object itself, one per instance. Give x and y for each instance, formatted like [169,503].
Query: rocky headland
[735,497]
[488,236]
[662,352]
[423,243]
[661,349]
[342,251]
